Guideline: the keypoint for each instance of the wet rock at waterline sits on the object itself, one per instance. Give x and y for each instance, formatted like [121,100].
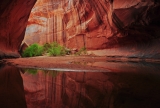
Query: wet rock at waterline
[104,24]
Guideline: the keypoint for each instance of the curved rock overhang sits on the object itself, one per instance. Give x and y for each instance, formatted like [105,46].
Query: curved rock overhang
[14,16]
[129,27]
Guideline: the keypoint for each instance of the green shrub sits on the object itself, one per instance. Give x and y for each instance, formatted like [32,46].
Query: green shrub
[46,46]
[53,49]
[33,50]
[56,49]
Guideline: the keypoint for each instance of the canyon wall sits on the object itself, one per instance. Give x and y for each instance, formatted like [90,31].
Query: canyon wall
[72,23]
[115,25]
[14,16]
[102,24]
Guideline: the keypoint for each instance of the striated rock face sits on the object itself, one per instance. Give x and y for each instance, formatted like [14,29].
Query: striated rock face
[94,24]
[13,21]
[73,23]
[102,24]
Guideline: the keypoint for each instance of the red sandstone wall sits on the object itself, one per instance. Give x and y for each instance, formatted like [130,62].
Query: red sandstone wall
[102,24]
[80,23]
[13,21]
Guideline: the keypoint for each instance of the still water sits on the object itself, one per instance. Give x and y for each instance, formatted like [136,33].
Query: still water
[127,85]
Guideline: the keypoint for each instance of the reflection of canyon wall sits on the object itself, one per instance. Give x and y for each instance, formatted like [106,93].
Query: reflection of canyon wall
[13,21]
[11,88]
[67,90]
[94,24]
[92,89]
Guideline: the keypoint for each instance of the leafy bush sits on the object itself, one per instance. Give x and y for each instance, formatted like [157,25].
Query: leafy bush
[46,46]
[53,49]
[56,49]
[33,50]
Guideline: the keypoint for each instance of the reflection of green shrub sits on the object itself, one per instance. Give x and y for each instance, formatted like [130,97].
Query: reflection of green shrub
[52,73]
[46,72]
[33,50]
[32,71]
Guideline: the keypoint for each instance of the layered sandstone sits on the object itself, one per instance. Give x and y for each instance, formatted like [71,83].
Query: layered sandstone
[102,24]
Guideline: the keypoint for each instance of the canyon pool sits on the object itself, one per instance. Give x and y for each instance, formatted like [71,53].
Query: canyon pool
[127,85]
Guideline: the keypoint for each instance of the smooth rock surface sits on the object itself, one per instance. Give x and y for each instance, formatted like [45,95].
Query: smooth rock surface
[13,21]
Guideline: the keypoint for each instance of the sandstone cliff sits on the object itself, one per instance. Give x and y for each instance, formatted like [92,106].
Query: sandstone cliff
[102,24]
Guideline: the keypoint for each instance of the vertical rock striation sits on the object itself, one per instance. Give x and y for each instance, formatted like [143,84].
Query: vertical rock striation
[91,24]
[72,23]
[102,24]
[67,90]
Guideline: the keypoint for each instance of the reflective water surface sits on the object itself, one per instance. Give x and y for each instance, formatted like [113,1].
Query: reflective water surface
[128,85]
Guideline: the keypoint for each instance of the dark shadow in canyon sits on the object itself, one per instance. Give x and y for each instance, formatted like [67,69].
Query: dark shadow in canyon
[11,88]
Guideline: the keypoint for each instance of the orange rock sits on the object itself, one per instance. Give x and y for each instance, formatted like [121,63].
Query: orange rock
[92,24]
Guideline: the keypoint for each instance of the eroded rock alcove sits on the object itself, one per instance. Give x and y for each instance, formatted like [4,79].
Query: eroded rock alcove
[121,27]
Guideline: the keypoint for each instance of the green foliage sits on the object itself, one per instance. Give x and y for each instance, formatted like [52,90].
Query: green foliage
[33,50]
[53,49]
[56,49]
[32,71]
[51,73]
[81,51]
[46,46]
